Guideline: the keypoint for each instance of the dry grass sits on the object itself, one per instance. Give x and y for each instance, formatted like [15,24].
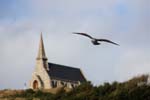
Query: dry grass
[7,92]
[56,90]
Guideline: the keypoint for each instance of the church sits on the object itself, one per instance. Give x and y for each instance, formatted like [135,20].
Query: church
[50,75]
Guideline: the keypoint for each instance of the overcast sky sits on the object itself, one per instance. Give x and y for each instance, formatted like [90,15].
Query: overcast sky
[126,22]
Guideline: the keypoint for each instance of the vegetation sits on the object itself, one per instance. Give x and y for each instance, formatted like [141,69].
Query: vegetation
[115,91]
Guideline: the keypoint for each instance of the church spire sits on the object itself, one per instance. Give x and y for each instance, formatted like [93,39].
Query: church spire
[41,53]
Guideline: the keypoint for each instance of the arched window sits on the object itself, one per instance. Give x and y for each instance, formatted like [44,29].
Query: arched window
[54,84]
[72,85]
[35,84]
[62,83]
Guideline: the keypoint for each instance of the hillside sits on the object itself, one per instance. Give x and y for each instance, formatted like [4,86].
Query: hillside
[128,90]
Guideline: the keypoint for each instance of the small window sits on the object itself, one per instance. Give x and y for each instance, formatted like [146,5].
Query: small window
[54,84]
[62,83]
[72,85]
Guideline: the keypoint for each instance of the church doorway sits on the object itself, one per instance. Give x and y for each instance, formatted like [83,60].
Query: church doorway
[35,84]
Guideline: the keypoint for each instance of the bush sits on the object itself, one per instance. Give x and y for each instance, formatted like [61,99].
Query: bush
[86,91]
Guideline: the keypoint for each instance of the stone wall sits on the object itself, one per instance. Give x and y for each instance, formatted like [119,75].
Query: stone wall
[40,74]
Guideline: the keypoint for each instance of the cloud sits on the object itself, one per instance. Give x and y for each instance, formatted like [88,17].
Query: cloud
[133,62]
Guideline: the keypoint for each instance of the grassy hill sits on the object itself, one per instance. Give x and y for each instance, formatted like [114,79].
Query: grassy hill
[128,90]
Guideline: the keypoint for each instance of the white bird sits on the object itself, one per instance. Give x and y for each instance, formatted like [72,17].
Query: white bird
[95,41]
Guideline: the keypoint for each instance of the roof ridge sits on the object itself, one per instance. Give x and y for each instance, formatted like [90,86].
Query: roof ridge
[64,65]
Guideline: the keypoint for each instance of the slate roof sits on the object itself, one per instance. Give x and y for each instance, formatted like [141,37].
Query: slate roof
[62,72]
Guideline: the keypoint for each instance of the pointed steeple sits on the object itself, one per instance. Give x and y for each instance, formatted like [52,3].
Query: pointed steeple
[41,53]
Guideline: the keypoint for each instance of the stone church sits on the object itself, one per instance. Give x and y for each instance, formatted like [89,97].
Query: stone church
[49,75]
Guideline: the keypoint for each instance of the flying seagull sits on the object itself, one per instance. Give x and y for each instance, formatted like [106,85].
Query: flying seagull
[95,41]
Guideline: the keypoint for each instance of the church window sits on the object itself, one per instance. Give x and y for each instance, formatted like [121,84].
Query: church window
[72,85]
[54,84]
[62,83]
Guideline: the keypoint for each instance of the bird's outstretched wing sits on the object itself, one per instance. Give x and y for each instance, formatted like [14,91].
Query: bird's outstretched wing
[106,40]
[84,34]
